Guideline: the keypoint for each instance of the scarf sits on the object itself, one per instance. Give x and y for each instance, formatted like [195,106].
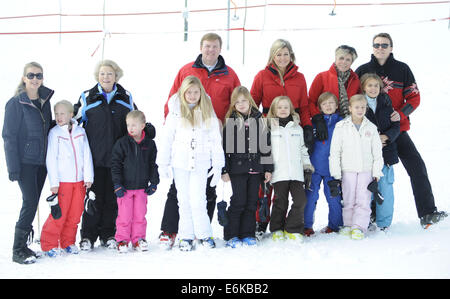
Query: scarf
[343,98]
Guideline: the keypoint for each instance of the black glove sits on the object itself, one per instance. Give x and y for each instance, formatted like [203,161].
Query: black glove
[308,176]
[308,137]
[321,127]
[14,176]
[150,189]
[222,213]
[55,209]
[119,190]
[89,202]
[373,187]
[335,187]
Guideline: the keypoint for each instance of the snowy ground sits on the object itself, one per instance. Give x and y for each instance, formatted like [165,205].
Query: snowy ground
[150,59]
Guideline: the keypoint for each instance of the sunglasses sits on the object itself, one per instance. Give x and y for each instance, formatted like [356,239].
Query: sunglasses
[384,46]
[38,76]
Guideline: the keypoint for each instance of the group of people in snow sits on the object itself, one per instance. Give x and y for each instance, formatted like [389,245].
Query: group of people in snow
[347,132]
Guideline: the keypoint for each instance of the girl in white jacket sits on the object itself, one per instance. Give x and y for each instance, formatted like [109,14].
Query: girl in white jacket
[356,159]
[291,159]
[70,172]
[190,145]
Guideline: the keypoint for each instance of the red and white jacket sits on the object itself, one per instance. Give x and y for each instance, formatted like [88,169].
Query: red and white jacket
[69,157]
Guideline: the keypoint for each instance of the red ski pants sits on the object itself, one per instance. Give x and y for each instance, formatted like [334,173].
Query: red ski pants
[63,231]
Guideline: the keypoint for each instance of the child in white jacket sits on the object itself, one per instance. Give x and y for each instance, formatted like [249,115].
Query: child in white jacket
[291,159]
[191,144]
[356,159]
[70,172]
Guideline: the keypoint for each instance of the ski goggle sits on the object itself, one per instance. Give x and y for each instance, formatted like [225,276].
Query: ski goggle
[38,76]
[384,46]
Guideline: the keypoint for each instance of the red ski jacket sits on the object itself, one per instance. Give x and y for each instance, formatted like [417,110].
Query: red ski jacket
[218,84]
[328,81]
[267,85]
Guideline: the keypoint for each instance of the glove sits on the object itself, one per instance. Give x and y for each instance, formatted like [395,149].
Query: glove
[164,171]
[222,213]
[321,127]
[55,209]
[14,176]
[373,187]
[89,202]
[216,173]
[335,187]
[150,189]
[308,137]
[119,190]
[263,210]
[308,176]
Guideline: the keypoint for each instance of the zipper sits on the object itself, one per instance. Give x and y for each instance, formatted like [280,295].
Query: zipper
[74,155]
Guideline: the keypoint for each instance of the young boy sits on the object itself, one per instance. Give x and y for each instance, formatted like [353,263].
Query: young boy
[328,104]
[132,168]
[70,172]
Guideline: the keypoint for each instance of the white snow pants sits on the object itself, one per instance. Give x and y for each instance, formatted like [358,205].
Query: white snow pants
[194,219]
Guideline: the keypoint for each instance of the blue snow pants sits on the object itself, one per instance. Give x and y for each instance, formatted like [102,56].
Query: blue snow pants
[334,203]
[385,211]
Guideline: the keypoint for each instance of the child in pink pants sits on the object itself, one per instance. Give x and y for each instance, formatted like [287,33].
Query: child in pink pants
[133,167]
[356,158]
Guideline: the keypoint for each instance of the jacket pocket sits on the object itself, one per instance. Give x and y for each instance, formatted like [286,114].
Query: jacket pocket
[32,149]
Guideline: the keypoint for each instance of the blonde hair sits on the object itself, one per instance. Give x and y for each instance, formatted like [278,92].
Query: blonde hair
[346,50]
[21,87]
[325,96]
[357,98]
[240,91]
[66,104]
[203,109]
[278,45]
[272,114]
[117,70]
[137,115]
[211,37]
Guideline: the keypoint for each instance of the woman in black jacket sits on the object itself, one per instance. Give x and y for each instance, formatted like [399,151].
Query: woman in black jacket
[379,112]
[102,111]
[25,129]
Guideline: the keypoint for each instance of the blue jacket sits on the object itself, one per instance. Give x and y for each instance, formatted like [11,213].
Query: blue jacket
[319,157]
[25,130]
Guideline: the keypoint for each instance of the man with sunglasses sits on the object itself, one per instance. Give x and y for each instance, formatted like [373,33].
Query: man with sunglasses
[400,85]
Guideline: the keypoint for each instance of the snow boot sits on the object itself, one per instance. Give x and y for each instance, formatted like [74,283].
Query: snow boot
[357,234]
[249,241]
[166,240]
[234,243]
[345,231]
[72,249]
[186,245]
[278,236]
[110,243]
[21,253]
[308,232]
[141,245]
[122,246]
[296,237]
[208,242]
[433,218]
[86,245]
[54,252]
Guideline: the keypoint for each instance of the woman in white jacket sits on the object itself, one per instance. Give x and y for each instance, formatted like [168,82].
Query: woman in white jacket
[70,172]
[356,159]
[291,159]
[191,144]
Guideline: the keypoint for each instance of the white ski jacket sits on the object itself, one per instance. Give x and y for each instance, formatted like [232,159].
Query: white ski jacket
[69,157]
[355,151]
[289,153]
[190,148]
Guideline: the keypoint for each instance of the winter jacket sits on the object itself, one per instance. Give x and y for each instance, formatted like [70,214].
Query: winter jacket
[399,84]
[218,84]
[355,151]
[104,122]
[328,81]
[246,143]
[25,130]
[190,148]
[267,85]
[133,164]
[382,119]
[69,157]
[319,157]
[288,151]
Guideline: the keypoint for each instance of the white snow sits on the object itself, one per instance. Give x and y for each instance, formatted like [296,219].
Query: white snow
[151,58]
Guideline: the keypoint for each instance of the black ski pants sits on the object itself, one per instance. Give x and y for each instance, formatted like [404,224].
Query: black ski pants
[417,171]
[171,216]
[295,220]
[31,182]
[242,211]
[103,223]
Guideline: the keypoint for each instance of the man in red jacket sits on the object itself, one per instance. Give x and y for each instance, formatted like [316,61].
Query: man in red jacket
[219,81]
[400,85]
